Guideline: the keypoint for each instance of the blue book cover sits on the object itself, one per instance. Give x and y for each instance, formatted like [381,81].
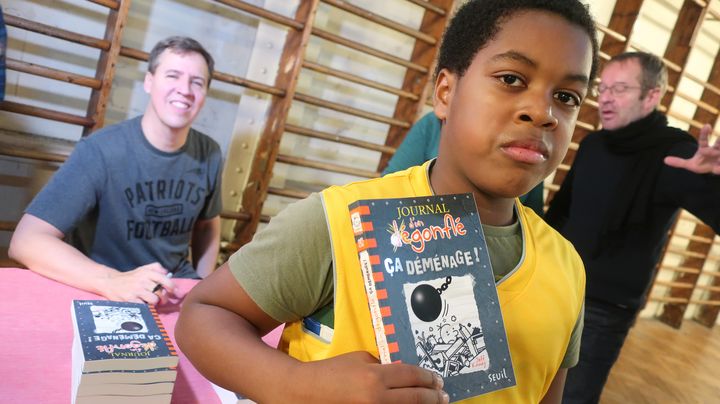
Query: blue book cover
[431,290]
[120,336]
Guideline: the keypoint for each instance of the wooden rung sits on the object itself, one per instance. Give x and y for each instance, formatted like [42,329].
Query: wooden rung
[683,118]
[584,125]
[107,3]
[339,139]
[224,77]
[573,146]
[385,22]
[241,216]
[308,99]
[699,103]
[368,50]
[714,274]
[604,55]
[552,187]
[47,72]
[45,113]
[610,32]
[288,193]
[12,151]
[698,239]
[678,285]
[7,226]
[700,3]
[359,80]
[686,253]
[563,167]
[679,268]
[706,302]
[39,28]
[668,299]
[702,82]
[708,287]
[591,103]
[427,5]
[298,161]
[263,13]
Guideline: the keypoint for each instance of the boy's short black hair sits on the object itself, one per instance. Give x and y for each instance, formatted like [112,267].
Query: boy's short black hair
[478,21]
[181,45]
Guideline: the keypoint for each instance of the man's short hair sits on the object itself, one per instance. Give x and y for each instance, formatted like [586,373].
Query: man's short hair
[654,72]
[478,21]
[181,45]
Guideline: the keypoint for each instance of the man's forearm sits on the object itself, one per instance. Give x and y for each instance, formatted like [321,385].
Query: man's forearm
[205,245]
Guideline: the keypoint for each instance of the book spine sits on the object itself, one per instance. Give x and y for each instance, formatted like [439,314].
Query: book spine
[163,332]
[377,298]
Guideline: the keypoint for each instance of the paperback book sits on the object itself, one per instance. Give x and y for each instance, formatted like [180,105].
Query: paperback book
[431,290]
[120,350]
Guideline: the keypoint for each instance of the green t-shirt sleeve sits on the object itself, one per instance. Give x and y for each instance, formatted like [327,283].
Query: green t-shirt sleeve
[572,355]
[286,269]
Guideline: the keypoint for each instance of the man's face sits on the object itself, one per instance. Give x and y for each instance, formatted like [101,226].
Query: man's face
[620,104]
[177,89]
[510,117]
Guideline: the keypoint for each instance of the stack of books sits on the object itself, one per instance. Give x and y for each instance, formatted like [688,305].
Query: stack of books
[121,353]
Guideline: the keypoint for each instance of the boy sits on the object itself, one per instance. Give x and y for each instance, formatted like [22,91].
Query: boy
[510,78]
[141,189]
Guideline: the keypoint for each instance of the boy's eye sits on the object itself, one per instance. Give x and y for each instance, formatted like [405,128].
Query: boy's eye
[511,80]
[198,83]
[569,99]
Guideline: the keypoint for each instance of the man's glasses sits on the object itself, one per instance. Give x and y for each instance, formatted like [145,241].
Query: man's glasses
[615,89]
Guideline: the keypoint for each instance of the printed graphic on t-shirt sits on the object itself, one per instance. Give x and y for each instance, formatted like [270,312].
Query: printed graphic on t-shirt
[169,207]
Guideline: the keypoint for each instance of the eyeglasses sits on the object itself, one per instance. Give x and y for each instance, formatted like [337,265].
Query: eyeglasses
[615,89]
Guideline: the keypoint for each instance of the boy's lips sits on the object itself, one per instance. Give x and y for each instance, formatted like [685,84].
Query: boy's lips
[526,151]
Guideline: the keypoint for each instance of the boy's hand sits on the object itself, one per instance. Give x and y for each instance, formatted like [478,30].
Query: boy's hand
[139,284]
[357,377]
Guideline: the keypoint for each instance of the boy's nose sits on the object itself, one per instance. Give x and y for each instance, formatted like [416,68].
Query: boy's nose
[538,115]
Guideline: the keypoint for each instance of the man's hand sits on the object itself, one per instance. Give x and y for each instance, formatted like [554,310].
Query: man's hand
[706,159]
[138,285]
[357,377]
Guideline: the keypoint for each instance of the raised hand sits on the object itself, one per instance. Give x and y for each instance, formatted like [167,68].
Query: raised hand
[706,159]
[139,284]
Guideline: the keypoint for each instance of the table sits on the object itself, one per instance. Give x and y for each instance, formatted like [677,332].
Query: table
[36,341]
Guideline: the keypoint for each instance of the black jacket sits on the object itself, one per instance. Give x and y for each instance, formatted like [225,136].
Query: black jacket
[620,268]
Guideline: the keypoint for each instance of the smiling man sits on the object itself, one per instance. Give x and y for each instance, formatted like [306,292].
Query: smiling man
[618,201]
[120,213]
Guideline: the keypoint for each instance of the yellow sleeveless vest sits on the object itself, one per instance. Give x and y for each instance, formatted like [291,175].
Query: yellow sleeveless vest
[540,301]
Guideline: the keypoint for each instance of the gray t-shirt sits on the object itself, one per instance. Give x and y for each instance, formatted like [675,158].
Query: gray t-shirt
[124,203]
[287,268]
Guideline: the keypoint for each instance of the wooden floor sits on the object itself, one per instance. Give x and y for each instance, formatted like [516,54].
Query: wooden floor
[660,364]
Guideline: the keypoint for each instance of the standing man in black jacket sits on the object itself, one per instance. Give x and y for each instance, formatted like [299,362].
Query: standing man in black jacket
[618,201]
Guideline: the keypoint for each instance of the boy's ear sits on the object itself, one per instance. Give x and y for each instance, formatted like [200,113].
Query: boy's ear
[442,95]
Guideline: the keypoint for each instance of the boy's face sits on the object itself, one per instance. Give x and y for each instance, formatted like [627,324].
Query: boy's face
[509,119]
[177,89]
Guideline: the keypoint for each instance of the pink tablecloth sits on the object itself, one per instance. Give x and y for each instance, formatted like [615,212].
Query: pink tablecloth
[36,340]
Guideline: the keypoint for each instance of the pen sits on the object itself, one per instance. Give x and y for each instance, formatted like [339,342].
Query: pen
[159,285]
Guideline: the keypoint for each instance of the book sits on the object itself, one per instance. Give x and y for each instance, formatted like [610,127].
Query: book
[120,352]
[431,290]
[120,336]
[130,376]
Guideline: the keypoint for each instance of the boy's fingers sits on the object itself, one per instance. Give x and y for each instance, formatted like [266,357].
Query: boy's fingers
[402,375]
[416,395]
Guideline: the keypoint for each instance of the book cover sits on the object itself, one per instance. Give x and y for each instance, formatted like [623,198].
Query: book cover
[431,290]
[120,336]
